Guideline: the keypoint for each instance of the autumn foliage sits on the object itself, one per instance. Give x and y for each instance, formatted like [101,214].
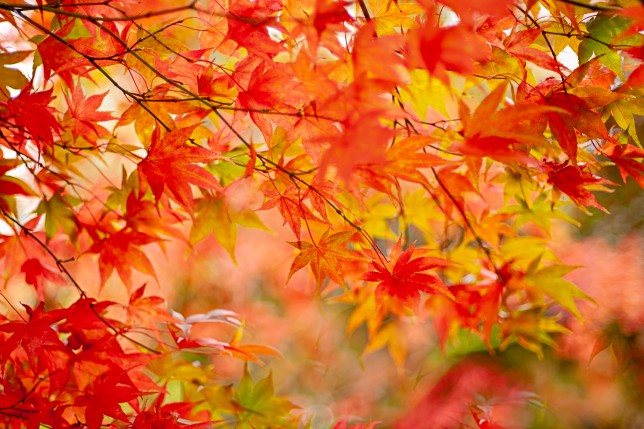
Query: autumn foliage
[395,175]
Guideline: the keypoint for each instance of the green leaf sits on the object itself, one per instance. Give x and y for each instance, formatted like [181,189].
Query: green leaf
[59,215]
[549,280]
[606,30]
[258,405]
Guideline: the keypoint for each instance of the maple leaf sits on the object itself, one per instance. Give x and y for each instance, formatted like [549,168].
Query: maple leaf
[291,207]
[468,11]
[404,275]
[37,337]
[144,216]
[319,194]
[121,250]
[377,56]
[173,415]
[170,163]
[573,182]
[85,322]
[406,158]
[475,307]
[145,117]
[270,87]
[325,257]
[147,311]
[85,115]
[36,273]
[256,403]
[549,280]
[364,142]
[572,105]
[110,390]
[624,156]
[17,249]
[454,48]
[220,218]
[603,30]
[320,23]
[59,214]
[498,134]
[518,44]
[30,111]
[328,12]
[403,160]
[247,25]
[390,16]
[59,58]
[576,115]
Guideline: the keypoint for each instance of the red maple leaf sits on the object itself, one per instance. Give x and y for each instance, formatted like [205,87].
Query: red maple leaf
[110,390]
[270,87]
[624,156]
[86,323]
[122,251]
[321,24]
[248,23]
[170,164]
[30,112]
[573,182]
[476,306]
[575,114]
[405,275]
[174,415]
[36,273]
[377,56]
[85,115]
[37,337]
[569,114]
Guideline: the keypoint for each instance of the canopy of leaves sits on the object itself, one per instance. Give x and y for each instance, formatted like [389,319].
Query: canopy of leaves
[418,151]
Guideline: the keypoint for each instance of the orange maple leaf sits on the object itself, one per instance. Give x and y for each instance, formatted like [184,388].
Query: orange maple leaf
[469,11]
[454,48]
[404,160]
[364,142]
[325,257]
[500,134]
[147,311]
[290,205]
